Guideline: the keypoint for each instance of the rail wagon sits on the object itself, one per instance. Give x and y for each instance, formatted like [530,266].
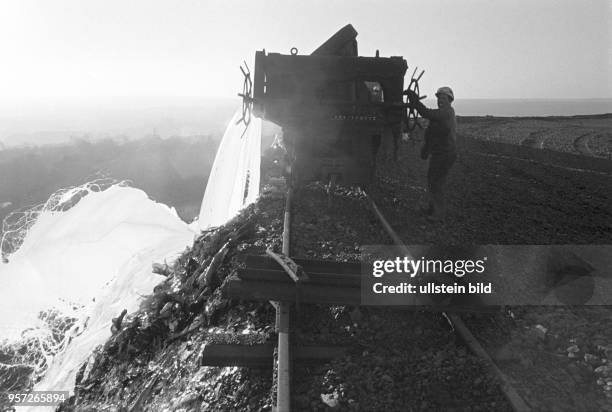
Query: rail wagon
[333,106]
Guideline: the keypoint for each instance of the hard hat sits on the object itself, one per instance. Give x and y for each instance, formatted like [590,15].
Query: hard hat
[447,91]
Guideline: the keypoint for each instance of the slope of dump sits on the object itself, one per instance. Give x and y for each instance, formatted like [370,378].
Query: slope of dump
[498,194]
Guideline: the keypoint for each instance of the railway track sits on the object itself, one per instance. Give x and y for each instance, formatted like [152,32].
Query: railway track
[330,278]
[515,400]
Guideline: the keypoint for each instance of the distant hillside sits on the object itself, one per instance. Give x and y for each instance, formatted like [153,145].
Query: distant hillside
[173,171]
[64,121]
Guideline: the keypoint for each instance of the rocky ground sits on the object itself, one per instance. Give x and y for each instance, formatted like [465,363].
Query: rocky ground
[496,197]
[396,360]
[558,358]
[583,135]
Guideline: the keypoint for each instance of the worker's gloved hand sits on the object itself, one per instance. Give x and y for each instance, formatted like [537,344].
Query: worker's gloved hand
[412,96]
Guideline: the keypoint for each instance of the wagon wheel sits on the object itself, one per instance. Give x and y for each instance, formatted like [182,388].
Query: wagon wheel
[412,112]
[247,97]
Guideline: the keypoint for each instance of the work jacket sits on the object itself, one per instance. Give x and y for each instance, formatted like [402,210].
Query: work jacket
[441,134]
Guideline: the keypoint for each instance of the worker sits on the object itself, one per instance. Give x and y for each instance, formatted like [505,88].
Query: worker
[440,144]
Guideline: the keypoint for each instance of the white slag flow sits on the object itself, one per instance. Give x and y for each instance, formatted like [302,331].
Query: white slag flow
[89,262]
[94,259]
[234,179]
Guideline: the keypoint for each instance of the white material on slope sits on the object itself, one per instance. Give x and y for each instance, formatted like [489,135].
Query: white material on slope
[234,179]
[94,260]
[89,262]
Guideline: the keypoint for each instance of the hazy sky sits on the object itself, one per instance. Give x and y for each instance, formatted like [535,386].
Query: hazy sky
[141,48]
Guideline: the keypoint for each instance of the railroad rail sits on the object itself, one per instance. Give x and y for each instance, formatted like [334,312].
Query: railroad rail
[278,278]
[515,400]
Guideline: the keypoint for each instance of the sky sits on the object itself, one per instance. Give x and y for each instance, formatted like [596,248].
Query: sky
[169,48]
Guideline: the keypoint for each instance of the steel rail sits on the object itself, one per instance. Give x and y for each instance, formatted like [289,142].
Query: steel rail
[283,374]
[518,404]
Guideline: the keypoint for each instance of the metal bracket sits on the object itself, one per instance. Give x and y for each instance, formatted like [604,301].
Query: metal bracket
[295,271]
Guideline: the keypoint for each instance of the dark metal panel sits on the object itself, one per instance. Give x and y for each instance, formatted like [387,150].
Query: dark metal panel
[280,291]
[262,355]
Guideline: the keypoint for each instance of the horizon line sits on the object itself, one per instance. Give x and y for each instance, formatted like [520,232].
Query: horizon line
[15,99]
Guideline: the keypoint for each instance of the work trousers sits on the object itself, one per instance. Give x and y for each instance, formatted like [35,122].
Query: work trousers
[439,166]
